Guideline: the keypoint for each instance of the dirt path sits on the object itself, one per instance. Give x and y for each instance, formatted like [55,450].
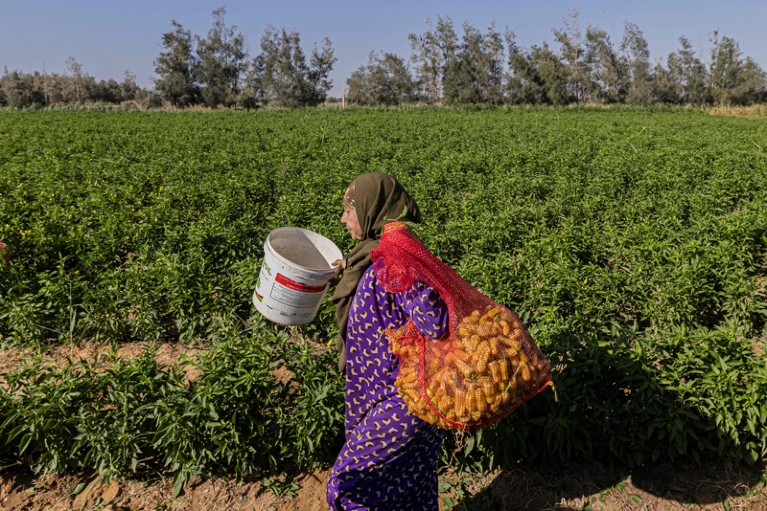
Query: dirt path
[167,353]
[21,492]
[573,488]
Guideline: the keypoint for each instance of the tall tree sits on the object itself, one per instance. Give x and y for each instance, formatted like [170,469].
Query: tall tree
[318,75]
[752,88]
[251,95]
[493,54]
[275,72]
[690,73]
[666,86]
[107,91]
[448,47]
[385,80]
[523,82]
[282,75]
[80,84]
[434,55]
[358,83]
[464,74]
[177,67]
[478,68]
[553,74]
[571,42]
[734,81]
[18,90]
[129,89]
[427,60]
[222,62]
[725,68]
[607,75]
[636,55]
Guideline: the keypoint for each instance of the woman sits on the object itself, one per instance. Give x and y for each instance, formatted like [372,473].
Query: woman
[389,460]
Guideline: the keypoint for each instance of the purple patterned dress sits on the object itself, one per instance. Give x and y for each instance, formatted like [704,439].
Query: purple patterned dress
[389,460]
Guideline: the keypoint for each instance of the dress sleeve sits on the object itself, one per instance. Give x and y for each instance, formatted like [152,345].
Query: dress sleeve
[423,305]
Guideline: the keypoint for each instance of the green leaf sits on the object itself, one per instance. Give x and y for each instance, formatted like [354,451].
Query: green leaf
[78,489]
[469,446]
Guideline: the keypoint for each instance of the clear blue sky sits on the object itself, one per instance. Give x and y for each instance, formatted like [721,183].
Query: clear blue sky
[109,37]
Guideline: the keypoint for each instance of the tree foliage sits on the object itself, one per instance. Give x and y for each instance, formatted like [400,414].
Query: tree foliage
[177,68]
[25,90]
[218,71]
[444,67]
[475,74]
[733,80]
[636,58]
[689,73]
[221,62]
[536,77]
[607,72]
[385,80]
[587,68]
[281,75]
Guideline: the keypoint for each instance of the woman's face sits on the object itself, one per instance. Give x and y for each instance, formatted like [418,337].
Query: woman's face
[349,218]
[352,223]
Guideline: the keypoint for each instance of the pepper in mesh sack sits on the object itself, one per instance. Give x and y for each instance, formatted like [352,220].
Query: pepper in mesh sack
[485,367]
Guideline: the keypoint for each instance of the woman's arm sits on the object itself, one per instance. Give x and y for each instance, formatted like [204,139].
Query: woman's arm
[427,310]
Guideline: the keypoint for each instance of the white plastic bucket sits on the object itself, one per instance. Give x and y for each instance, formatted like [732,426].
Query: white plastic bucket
[294,276]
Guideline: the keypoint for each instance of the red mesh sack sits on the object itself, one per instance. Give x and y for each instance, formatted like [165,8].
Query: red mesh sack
[483,368]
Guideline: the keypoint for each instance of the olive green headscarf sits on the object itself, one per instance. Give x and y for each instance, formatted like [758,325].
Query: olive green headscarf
[378,197]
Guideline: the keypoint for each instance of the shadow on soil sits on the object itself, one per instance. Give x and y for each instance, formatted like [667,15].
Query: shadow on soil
[610,407]
[594,486]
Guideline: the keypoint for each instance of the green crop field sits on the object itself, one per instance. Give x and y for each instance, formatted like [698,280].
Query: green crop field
[633,243]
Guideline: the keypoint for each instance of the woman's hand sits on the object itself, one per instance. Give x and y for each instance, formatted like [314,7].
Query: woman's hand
[338,265]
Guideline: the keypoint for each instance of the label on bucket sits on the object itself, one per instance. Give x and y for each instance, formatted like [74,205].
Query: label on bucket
[295,293]
[298,286]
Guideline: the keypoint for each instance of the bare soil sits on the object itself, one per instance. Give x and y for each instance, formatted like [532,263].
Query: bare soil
[19,491]
[59,354]
[573,487]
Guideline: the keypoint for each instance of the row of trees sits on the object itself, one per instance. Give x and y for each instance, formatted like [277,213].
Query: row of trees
[21,90]
[191,70]
[217,70]
[443,68]
[490,68]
